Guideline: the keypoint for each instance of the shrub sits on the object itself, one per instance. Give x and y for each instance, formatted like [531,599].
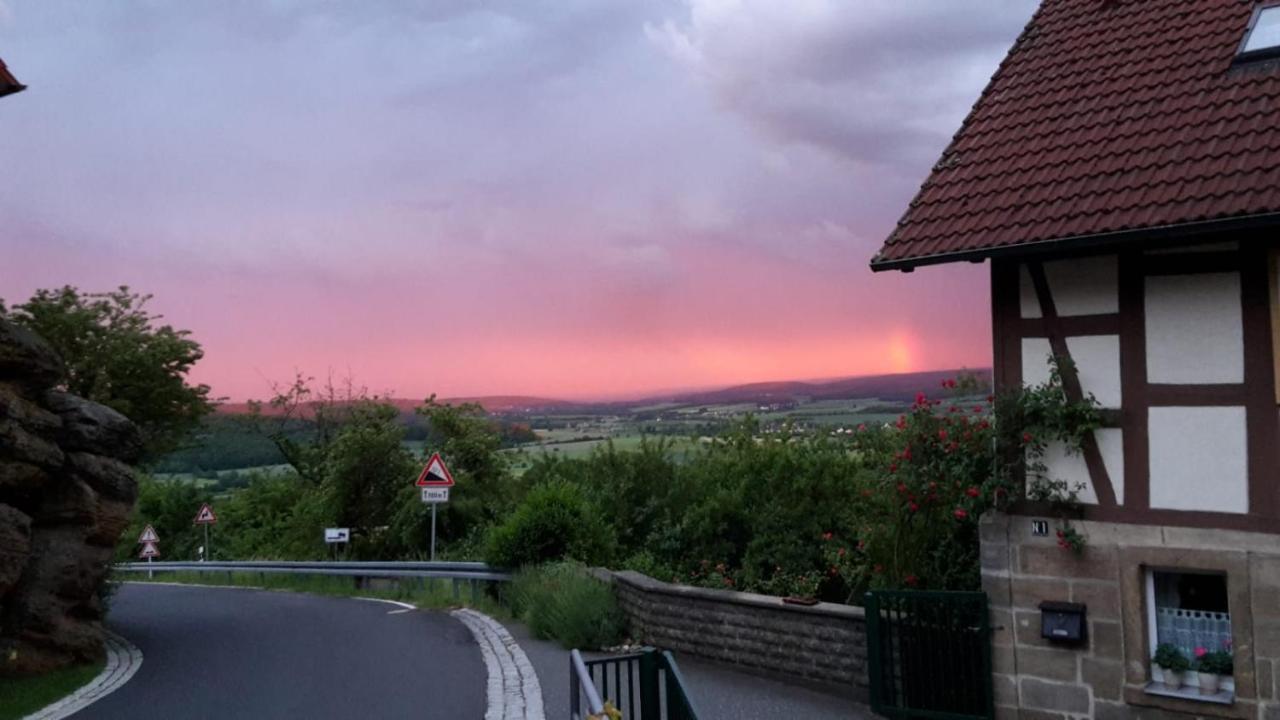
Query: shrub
[561,601]
[554,522]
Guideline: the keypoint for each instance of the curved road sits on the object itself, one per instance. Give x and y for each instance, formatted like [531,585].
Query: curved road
[224,653]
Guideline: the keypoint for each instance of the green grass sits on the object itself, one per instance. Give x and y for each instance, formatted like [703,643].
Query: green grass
[428,593]
[23,696]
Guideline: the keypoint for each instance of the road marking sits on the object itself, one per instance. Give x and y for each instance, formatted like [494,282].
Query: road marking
[123,660]
[404,606]
[513,689]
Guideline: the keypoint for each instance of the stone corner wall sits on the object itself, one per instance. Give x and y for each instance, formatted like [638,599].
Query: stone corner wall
[66,493]
[1106,677]
[824,644]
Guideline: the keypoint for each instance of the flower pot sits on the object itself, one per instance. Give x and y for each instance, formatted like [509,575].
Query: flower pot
[1208,682]
[1172,679]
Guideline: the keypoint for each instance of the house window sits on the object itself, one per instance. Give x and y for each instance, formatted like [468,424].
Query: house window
[1189,611]
[1262,39]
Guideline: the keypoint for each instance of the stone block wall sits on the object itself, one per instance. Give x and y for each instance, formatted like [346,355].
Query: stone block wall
[1106,678]
[825,643]
[66,493]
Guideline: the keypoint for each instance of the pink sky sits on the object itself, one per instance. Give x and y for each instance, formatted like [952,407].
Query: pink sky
[541,198]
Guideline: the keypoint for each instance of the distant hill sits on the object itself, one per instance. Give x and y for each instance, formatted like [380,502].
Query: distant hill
[491,403]
[903,386]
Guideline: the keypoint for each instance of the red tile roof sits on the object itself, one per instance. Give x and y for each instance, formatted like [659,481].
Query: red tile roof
[1106,117]
[8,83]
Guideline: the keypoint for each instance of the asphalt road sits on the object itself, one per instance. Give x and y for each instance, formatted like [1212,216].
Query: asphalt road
[223,653]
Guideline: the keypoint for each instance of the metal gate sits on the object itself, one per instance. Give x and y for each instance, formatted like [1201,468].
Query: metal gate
[929,654]
[641,686]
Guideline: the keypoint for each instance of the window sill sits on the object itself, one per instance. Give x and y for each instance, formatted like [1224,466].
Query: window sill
[1222,697]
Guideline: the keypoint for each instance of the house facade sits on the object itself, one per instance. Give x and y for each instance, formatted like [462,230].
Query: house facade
[1121,176]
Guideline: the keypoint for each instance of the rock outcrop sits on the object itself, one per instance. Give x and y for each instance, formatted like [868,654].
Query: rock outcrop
[66,493]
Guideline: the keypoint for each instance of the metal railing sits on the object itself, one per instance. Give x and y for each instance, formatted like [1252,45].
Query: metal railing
[473,573]
[929,654]
[648,682]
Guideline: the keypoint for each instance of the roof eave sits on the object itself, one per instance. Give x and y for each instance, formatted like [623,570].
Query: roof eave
[1081,242]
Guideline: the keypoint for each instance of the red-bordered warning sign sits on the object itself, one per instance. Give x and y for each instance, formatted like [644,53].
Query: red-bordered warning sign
[206,516]
[149,550]
[148,536]
[435,474]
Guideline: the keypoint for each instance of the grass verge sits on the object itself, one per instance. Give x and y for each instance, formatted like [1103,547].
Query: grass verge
[562,602]
[20,697]
[426,593]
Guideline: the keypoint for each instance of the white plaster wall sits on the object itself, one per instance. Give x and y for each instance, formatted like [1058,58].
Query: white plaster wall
[1071,467]
[1079,286]
[1194,330]
[1198,459]
[1097,359]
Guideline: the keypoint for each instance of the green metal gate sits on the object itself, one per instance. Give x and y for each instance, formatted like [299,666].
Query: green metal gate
[929,654]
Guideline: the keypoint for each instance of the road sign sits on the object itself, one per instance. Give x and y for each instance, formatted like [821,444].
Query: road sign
[148,536]
[435,494]
[149,550]
[206,516]
[337,535]
[435,474]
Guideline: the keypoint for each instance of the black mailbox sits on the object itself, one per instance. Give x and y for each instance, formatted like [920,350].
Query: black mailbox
[1062,622]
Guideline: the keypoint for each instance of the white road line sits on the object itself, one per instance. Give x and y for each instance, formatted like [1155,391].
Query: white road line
[404,606]
[123,660]
[513,689]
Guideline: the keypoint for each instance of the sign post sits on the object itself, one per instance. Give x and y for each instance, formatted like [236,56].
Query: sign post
[435,482]
[148,540]
[336,537]
[206,518]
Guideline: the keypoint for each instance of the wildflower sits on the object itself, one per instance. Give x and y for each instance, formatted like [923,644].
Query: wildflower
[862,427]
[913,507]
[1027,438]
[1201,652]
[972,491]
[826,536]
[942,434]
[960,514]
[921,399]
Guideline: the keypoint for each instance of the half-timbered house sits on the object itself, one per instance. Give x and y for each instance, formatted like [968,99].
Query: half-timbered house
[1121,176]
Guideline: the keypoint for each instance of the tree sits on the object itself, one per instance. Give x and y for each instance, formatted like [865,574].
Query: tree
[117,354]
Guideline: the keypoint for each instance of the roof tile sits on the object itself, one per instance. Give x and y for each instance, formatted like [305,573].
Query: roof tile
[1105,116]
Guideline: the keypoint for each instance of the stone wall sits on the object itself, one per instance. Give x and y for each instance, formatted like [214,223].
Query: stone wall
[824,643]
[66,493]
[1107,677]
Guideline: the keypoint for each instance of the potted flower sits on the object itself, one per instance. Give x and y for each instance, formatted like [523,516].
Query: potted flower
[1210,668]
[1173,663]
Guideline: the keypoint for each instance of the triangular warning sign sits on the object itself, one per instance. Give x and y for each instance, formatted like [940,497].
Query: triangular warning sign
[149,550]
[148,536]
[435,474]
[206,516]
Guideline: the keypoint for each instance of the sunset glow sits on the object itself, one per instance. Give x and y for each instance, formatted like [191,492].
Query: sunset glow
[555,200]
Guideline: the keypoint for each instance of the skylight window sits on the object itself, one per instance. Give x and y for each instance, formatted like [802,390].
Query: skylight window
[1263,36]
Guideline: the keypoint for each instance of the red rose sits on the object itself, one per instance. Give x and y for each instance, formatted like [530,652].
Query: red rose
[960,514]
[942,434]
[973,491]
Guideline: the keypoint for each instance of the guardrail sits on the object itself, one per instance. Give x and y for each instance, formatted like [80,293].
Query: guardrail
[648,682]
[471,572]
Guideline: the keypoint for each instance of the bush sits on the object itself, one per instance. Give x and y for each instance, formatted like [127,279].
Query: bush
[561,602]
[554,522]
